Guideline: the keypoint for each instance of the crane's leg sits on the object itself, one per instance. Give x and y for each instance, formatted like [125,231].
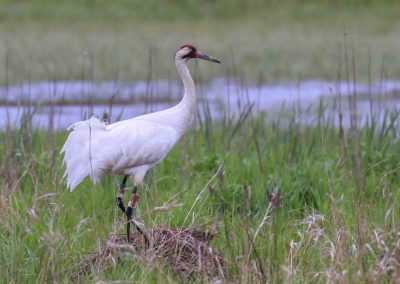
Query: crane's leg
[129,210]
[120,193]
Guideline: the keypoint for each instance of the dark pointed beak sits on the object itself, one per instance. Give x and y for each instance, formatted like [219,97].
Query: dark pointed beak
[206,57]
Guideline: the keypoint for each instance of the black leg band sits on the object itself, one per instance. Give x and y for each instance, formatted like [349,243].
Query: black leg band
[120,204]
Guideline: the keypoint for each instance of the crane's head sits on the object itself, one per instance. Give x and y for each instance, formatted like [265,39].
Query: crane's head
[187,51]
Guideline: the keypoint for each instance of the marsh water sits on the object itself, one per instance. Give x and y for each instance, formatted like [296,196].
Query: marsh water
[59,104]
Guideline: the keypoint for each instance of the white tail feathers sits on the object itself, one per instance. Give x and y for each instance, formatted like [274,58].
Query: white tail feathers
[80,151]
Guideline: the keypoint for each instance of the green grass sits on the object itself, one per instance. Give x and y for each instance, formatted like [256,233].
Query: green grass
[268,42]
[45,230]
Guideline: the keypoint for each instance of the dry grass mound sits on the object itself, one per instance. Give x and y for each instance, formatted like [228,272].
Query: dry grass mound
[186,250]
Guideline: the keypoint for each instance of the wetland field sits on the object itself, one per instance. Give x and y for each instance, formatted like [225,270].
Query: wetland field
[291,164]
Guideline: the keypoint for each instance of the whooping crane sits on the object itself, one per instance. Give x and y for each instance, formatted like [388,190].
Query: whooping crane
[131,147]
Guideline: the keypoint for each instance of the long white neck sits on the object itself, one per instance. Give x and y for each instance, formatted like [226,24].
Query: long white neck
[187,106]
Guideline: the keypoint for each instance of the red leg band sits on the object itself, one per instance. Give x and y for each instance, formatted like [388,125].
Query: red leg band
[134,200]
[121,192]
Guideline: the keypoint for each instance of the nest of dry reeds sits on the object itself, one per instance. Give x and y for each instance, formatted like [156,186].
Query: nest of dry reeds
[186,250]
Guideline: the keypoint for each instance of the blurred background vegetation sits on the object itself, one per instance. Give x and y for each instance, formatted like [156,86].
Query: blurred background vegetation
[264,40]
[175,9]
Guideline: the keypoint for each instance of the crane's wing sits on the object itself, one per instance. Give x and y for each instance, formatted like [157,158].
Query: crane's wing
[94,147]
[137,142]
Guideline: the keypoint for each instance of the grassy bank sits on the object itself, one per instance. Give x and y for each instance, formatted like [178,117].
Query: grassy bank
[128,41]
[337,221]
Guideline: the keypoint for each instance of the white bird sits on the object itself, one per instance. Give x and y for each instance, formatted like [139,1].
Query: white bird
[131,147]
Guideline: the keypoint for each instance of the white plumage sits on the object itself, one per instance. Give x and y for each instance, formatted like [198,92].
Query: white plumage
[130,147]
